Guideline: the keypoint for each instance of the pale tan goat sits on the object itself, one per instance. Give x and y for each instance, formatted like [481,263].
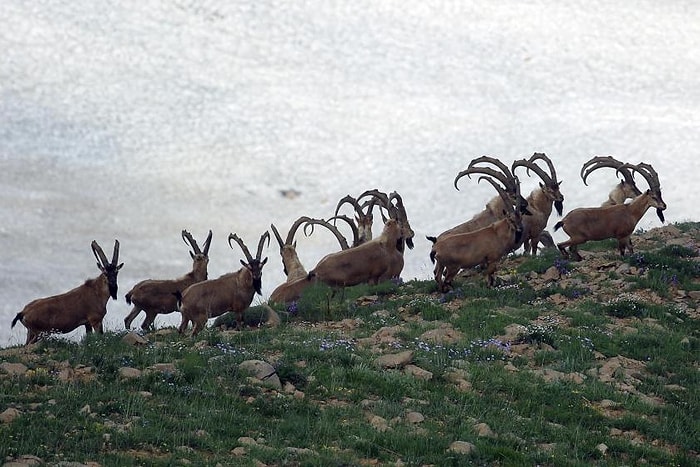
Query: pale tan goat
[626,189]
[540,202]
[483,247]
[230,292]
[371,262]
[617,221]
[85,305]
[157,296]
[297,281]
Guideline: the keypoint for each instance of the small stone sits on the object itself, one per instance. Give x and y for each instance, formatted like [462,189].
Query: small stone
[129,373]
[461,447]
[13,369]
[483,430]
[414,417]
[397,360]
[9,415]
[602,448]
[85,410]
[134,339]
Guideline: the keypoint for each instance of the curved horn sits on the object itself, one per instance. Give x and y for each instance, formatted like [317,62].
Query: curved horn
[261,243]
[238,240]
[505,176]
[382,198]
[543,157]
[99,254]
[115,254]
[334,230]
[648,172]
[349,199]
[293,229]
[529,165]
[598,162]
[187,238]
[277,235]
[353,227]
[207,242]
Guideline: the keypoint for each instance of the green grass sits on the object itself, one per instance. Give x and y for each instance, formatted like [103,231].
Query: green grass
[340,408]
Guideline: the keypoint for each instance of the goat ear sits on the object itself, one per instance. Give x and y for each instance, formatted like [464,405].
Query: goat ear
[120,266]
[244,263]
[262,263]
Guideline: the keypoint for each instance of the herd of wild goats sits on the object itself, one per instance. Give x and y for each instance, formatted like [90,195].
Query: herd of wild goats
[508,221]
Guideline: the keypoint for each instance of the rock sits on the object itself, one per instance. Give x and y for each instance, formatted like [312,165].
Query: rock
[262,371]
[13,369]
[9,415]
[551,274]
[483,430]
[86,410]
[378,423]
[129,373]
[247,441]
[134,339]
[414,417]
[418,372]
[602,448]
[461,447]
[444,334]
[397,360]
[24,461]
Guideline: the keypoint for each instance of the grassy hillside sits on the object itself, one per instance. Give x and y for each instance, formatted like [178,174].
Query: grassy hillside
[561,364]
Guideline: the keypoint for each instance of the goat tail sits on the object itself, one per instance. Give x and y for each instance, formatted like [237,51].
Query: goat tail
[178,298]
[558,225]
[432,239]
[432,256]
[17,318]
[310,276]
[128,298]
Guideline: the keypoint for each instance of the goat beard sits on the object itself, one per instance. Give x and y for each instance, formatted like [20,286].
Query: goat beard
[559,206]
[660,213]
[257,286]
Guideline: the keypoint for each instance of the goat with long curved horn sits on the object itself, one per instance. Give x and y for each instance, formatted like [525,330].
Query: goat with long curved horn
[617,221]
[540,201]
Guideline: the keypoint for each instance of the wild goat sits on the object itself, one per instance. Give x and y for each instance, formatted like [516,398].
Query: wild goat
[296,282]
[372,262]
[158,296]
[496,207]
[85,305]
[626,189]
[230,292]
[483,247]
[539,202]
[364,219]
[617,221]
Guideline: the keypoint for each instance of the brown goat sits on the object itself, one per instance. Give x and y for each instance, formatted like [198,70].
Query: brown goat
[158,296]
[540,202]
[290,290]
[617,221]
[483,247]
[230,292]
[85,305]
[371,262]
[495,208]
